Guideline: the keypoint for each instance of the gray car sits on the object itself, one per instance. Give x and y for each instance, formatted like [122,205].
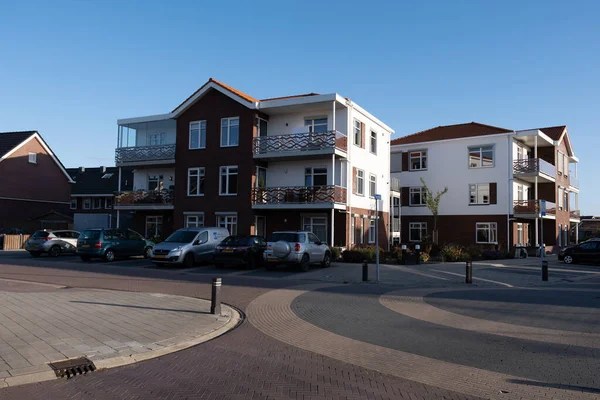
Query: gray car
[188,246]
[54,243]
[295,247]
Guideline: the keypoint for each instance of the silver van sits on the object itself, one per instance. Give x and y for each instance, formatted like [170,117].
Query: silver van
[188,246]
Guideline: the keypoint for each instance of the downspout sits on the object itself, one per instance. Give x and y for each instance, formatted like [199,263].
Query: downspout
[349,173]
[509,192]
[333,178]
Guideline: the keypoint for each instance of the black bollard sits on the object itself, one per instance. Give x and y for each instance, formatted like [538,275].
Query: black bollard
[469,272]
[365,271]
[544,270]
[215,300]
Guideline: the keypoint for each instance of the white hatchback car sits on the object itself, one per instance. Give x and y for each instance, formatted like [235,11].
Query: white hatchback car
[296,247]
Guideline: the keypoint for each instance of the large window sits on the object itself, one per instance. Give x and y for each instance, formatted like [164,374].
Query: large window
[154,226]
[479,193]
[228,182]
[481,157]
[228,221]
[486,232]
[198,135]
[230,130]
[373,142]
[358,132]
[315,176]
[194,220]
[316,225]
[372,231]
[196,182]
[372,185]
[520,234]
[417,196]
[316,125]
[156,139]
[417,231]
[360,182]
[418,160]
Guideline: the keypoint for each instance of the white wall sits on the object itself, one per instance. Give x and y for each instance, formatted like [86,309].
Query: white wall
[140,177]
[448,166]
[291,173]
[526,150]
[526,187]
[287,124]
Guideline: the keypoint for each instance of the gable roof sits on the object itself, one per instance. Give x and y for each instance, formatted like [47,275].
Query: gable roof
[470,129]
[291,97]
[554,132]
[91,181]
[10,140]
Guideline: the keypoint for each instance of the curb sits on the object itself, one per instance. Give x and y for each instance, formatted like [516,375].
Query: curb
[234,319]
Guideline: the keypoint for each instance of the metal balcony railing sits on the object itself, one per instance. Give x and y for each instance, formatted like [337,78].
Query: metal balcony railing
[145,197]
[298,142]
[534,165]
[532,207]
[161,152]
[299,195]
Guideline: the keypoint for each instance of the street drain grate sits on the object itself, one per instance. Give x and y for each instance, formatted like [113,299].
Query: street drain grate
[72,367]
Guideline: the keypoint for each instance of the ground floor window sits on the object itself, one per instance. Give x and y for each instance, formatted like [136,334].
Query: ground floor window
[228,221]
[260,225]
[520,235]
[372,231]
[487,232]
[316,225]
[417,231]
[154,226]
[352,231]
[194,220]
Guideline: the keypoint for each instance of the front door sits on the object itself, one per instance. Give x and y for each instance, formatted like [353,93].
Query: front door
[260,226]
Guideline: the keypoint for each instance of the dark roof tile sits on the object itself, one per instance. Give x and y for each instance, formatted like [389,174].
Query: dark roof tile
[470,129]
[10,140]
[90,181]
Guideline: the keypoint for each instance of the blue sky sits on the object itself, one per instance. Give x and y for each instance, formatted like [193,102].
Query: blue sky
[70,69]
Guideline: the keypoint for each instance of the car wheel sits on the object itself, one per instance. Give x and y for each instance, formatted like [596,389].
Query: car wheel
[85,258]
[568,259]
[148,252]
[304,263]
[188,260]
[34,253]
[54,251]
[326,260]
[109,255]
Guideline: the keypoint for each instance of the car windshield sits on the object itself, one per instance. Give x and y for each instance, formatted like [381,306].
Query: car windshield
[40,234]
[182,237]
[236,241]
[90,235]
[285,236]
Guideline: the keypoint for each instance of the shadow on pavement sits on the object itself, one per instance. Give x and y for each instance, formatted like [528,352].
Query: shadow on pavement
[555,385]
[139,307]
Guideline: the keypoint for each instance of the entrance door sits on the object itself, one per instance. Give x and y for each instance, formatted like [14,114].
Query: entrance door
[260,225]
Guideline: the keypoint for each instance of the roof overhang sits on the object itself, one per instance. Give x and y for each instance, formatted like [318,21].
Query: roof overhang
[527,137]
[149,118]
[202,91]
[398,148]
[565,136]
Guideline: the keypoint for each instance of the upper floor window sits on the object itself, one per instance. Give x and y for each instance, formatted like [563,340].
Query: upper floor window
[316,125]
[358,132]
[154,182]
[372,185]
[360,182]
[559,162]
[481,157]
[228,181]
[155,139]
[315,176]
[417,196]
[262,127]
[560,197]
[196,182]
[230,131]
[479,193]
[373,142]
[198,135]
[32,158]
[418,160]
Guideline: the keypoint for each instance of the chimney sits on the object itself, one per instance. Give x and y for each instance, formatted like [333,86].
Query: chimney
[81,169]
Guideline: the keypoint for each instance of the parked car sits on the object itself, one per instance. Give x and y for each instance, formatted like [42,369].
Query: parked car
[298,248]
[188,246]
[241,250]
[588,251]
[109,244]
[54,243]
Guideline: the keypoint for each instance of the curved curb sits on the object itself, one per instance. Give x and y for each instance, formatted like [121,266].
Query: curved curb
[234,318]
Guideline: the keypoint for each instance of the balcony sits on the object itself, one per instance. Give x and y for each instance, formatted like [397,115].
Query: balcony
[574,181]
[531,209]
[145,155]
[575,215]
[529,168]
[300,145]
[145,200]
[299,197]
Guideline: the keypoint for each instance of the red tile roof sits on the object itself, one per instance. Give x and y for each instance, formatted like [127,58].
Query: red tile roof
[554,132]
[470,129]
[234,90]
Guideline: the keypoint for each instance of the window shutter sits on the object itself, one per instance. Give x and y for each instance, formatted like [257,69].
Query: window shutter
[362,135]
[354,180]
[493,193]
[405,161]
[404,196]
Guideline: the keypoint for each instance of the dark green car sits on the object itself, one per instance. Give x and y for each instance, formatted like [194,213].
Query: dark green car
[109,244]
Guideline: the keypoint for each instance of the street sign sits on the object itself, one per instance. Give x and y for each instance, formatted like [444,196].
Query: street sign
[543,207]
[377,197]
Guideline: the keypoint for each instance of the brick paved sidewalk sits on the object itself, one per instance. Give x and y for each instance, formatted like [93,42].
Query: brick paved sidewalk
[41,323]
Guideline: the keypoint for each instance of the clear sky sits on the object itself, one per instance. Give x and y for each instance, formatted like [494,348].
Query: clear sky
[70,69]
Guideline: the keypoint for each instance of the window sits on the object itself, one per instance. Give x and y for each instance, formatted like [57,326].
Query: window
[228,181]
[196,182]
[417,231]
[486,232]
[417,196]
[560,235]
[154,226]
[154,182]
[194,220]
[353,233]
[480,193]
[566,200]
[396,206]
[418,160]
[262,127]
[108,203]
[559,162]
[520,195]
[230,130]
[372,231]
[373,142]
[87,204]
[73,204]
[107,175]
[197,135]
[96,203]
[520,152]
[229,222]
[261,177]
[358,132]
[156,139]
[481,157]
[32,158]
[520,236]
[560,198]
[360,182]
[565,165]
[372,185]
[316,125]
[316,225]
[315,177]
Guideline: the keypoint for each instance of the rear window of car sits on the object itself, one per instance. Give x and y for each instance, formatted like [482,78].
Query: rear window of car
[285,236]
[41,234]
[237,241]
[90,235]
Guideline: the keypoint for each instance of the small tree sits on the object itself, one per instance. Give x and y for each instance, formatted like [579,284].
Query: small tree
[433,203]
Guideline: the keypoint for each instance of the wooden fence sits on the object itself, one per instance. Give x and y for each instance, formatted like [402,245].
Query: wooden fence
[13,242]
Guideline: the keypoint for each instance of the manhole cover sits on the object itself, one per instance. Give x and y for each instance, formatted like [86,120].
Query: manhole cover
[72,367]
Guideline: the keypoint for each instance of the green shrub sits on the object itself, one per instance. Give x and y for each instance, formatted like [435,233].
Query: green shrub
[453,252]
[335,253]
[361,253]
[423,257]
[474,252]
[352,256]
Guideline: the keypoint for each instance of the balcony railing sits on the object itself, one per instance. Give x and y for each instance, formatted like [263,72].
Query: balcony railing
[299,195]
[576,214]
[161,152]
[533,207]
[299,142]
[145,197]
[574,181]
[395,185]
[534,165]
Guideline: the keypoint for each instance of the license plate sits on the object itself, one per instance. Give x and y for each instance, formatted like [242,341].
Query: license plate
[160,256]
[85,245]
[272,259]
[228,251]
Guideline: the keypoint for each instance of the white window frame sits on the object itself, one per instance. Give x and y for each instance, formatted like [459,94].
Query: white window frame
[154,178]
[158,220]
[415,189]
[360,182]
[420,155]
[357,132]
[565,165]
[471,149]
[421,226]
[200,174]
[229,221]
[372,185]
[156,139]
[559,162]
[73,205]
[106,205]
[32,158]
[560,197]
[99,203]
[491,227]
[226,131]
[310,123]
[352,230]
[197,218]
[308,224]
[520,192]
[520,233]
[479,187]
[225,170]
[372,231]
[201,134]
[310,171]
[373,143]
[87,201]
